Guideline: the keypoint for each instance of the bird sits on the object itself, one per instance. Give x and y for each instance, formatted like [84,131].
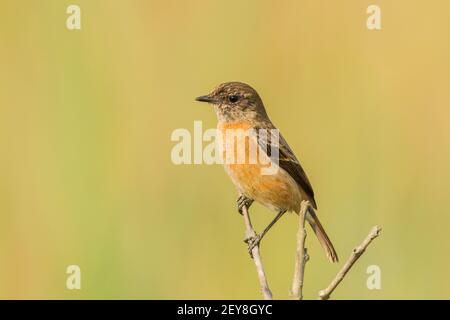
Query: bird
[239,107]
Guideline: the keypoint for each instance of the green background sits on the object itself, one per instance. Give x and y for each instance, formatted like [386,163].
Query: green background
[86,116]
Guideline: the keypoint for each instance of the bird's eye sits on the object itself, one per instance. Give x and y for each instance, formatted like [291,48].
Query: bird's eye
[233,98]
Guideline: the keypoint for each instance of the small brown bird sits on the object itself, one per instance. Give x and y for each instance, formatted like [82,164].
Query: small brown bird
[239,107]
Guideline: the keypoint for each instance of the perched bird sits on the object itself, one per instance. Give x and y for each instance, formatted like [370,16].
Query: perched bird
[239,107]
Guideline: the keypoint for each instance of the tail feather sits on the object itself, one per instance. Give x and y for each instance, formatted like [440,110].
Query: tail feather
[325,242]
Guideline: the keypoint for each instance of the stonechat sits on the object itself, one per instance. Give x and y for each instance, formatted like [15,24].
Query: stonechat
[239,107]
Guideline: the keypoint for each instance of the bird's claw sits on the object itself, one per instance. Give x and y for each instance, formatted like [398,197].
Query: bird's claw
[242,202]
[252,242]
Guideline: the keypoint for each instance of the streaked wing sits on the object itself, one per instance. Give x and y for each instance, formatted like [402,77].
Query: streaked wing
[287,159]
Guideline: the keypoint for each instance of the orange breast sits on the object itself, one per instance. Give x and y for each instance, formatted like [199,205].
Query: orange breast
[276,190]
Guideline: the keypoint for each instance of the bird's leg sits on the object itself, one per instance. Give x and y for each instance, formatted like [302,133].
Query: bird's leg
[243,201]
[254,241]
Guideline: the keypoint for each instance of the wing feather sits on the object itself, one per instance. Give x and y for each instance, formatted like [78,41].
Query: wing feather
[287,160]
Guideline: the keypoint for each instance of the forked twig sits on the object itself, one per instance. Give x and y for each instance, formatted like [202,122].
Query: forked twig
[356,253]
[250,233]
[302,257]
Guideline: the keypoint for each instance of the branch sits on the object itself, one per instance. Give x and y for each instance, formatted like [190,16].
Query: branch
[250,233]
[357,252]
[302,254]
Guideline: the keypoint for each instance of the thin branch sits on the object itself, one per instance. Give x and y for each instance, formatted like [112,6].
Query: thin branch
[302,254]
[250,233]
[357,252]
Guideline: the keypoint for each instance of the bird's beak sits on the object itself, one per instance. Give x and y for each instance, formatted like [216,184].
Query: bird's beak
[206,98]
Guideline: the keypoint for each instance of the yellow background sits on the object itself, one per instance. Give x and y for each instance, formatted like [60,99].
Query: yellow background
[86,117]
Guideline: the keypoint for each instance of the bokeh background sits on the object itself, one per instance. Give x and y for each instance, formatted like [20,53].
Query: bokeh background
[86,116]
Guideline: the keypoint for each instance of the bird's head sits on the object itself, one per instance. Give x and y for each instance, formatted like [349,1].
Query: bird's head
[235,101]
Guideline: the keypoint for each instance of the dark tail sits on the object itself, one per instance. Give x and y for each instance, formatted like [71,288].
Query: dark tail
[322,236]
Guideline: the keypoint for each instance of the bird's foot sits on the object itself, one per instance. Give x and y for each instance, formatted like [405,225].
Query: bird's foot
[243,201]
[252,242]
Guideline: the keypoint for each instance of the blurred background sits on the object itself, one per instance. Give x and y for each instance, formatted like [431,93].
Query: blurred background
[86,116]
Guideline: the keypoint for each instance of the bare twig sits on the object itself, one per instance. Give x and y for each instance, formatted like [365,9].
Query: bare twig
[302,254]
[250,233]
[357,252]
